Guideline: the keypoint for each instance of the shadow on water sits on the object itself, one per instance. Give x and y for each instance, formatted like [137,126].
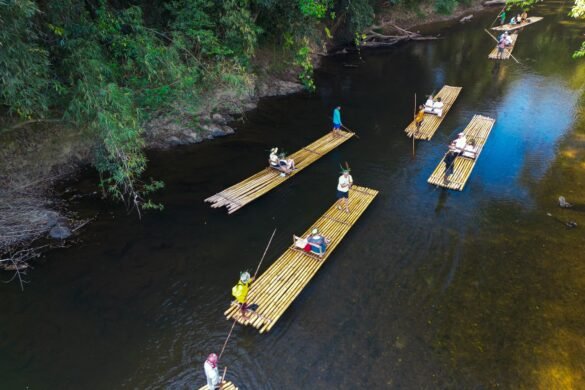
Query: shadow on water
[430,289]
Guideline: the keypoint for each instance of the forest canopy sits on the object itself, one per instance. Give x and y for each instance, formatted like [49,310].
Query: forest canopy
[108,66]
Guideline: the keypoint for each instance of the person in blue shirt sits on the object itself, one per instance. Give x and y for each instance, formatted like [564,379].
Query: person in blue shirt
[337,120]
[317,242]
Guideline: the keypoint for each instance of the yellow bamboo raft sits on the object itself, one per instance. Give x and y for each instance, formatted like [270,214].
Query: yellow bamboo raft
[432,122]
[239,195]
[276,289]
[478,129]
[224,386]
[511,27]
[507,51]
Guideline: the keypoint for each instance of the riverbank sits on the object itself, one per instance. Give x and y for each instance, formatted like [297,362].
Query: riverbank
[39,154]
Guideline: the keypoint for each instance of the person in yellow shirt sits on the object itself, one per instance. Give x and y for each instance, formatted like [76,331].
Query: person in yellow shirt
[420,116]
[240,291]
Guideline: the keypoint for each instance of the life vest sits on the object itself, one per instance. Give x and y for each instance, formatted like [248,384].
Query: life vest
[240,291]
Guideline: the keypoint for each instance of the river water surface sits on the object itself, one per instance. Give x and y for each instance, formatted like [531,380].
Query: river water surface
[430,289]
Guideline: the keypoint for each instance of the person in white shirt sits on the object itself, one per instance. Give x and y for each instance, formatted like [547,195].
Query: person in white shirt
[429,104]
[280,162]
[343,185]
[508,40]
[212,372]
[470,150]
[273,158]
[438,107]
[459,144]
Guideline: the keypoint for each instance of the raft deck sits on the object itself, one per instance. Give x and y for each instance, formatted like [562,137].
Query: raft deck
[507,51]
[478,129]
[276,289]
[511,27]
[224,386]
[431,122]
[239,195]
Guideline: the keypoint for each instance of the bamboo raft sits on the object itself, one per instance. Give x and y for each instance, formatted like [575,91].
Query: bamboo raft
[224,386]
[276,289]
[478,129]
[432,122]
[507,51]
[239,195]
[511,27]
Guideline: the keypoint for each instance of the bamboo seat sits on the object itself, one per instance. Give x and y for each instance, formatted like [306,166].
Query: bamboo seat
[479,129]
[239,195]
[276,289]
[511,27]
[431,122]
[507,51]
[224,386]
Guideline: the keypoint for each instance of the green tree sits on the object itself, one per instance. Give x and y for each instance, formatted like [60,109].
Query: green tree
[24,64]
[578,11]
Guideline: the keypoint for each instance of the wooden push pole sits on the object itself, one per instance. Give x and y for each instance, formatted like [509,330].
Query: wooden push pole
[415,125]
[265,250]
[223,377]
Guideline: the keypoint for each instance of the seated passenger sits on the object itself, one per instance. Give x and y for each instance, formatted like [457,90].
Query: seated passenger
[524,17]
[314,243]
[286,164]
[438,107]
[508,39]
[458,145]
[513,20]
[470,150]
[280,162]
[429,104]
[273,158]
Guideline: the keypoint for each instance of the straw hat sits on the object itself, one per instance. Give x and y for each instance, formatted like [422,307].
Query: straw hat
[315,231]
[273,150]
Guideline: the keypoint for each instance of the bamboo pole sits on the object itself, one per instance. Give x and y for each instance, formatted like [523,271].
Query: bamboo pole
[417,129]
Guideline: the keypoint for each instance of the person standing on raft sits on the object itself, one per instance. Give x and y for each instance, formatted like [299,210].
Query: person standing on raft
[449,164]
[240,291]
[420,117]
[343,185]
[337,120]
[212,372]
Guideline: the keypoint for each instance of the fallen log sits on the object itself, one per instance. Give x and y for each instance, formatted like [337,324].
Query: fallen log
[488,3]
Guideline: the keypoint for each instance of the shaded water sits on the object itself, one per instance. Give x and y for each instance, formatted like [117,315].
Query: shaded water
[430,289]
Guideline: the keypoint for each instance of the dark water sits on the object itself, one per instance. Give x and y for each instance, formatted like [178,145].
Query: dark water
[430,289]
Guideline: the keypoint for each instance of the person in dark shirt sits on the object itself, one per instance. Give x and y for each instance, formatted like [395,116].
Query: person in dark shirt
[449,163]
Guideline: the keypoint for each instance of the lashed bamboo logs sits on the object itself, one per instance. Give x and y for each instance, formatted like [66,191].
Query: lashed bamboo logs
[276,289]
[478,129]
[224,386]
[510,27]
[238,195]
[431,122]
[507,51]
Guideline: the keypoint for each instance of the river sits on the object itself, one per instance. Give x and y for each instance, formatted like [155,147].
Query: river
[430,289]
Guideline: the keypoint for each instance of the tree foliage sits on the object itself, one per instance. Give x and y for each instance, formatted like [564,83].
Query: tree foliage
[109,65]
[578,11]
[24,62]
